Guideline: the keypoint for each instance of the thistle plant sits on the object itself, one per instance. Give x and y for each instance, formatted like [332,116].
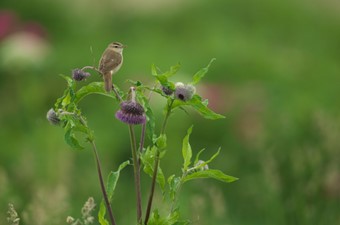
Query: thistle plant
[135,109]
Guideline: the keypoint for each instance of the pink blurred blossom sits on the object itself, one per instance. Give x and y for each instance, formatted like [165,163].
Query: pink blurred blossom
[8,23]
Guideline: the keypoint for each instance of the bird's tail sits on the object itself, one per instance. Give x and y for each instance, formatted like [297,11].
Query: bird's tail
[108,81]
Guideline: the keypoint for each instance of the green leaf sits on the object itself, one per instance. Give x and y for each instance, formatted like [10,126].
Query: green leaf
[154,70]
[135,83]
[113,179]
[206,162]
[174,183]
[101,214]
[150,125]
[71,140]
[186,150]
[161,142]
[200,74]
[67,99]
[198,155]
[156,219]
[68,95]
[70,81]
[215,174]
[214,156]
[148,159]
[173,217]
[93,88]
[173,70]
[202,108]
[163,78]
[110,187]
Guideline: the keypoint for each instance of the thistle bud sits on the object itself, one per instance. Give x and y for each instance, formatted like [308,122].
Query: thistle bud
[79,75]
[184,92]
[52,117]
[167,91]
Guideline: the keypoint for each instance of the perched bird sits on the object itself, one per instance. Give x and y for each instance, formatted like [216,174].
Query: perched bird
[110,63]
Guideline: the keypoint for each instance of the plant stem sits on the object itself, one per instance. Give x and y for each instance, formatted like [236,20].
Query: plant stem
[102,185]
[156,163]
[142,139]
[168,112]
[152,190]
[92,68]
[136,173]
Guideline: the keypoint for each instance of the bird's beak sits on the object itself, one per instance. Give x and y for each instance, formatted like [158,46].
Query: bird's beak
[124,46]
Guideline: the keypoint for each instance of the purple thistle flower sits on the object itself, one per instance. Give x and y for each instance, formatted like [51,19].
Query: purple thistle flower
[184,92]
[131,112]
[52,117]
[79,75]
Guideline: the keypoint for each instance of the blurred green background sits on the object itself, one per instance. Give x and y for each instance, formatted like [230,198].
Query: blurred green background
[276,78]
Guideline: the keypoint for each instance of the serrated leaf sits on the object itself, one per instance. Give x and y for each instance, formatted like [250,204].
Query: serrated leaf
[161,142]
[214,174]
[110,187]
[173,70]
[92,88]
[148,159]
[163,78]
[150,124]
[156,219]
[186,150]
[66,100]
[113,179]
[71,140]
[202,108]
[200,74]
[173,182]
[173,217]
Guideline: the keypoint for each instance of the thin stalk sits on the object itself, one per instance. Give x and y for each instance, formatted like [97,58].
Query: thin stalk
[102,185]
[136,173]
[92,68]
[155,168]
[142,138]
[168,112]
[152,190]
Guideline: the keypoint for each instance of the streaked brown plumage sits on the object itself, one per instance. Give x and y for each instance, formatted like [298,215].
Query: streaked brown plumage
[110,63]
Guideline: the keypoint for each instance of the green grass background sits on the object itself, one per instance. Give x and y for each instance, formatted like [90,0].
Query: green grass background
[276,79]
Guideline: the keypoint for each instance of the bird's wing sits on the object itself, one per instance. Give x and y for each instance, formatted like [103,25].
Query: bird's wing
[109,61]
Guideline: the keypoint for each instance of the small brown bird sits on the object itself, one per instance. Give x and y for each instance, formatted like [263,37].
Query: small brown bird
[110,63]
